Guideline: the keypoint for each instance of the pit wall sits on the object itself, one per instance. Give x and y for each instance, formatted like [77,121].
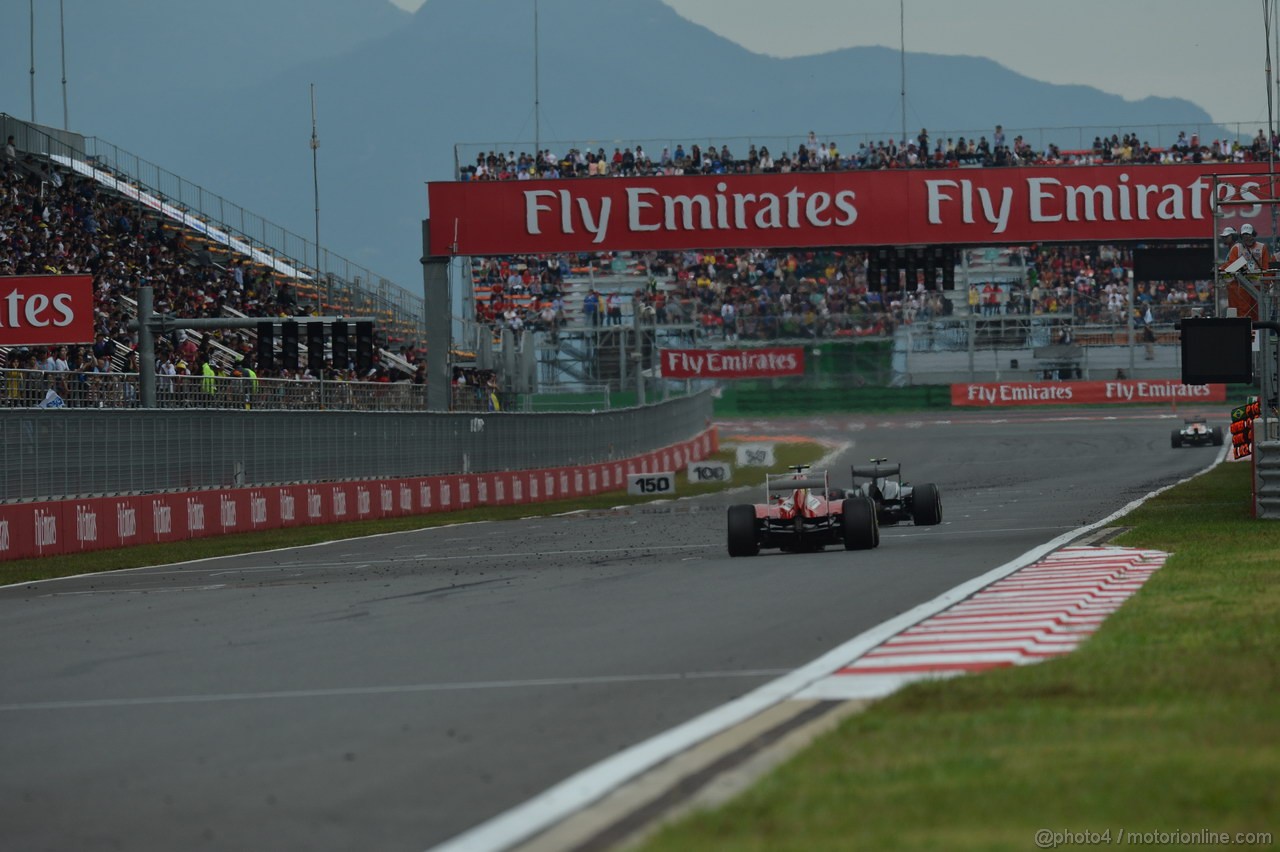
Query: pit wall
[60,527]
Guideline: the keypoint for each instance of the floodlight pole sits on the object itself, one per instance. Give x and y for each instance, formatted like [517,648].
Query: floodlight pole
[1269,349]
[902,57]
[315,184]
[537,119]
[638,355]
[32,8]
[62,34]
[146,348]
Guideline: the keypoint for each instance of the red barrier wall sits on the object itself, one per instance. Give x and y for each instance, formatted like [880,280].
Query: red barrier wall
[99,523]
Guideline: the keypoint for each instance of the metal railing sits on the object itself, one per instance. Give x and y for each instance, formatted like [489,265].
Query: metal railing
[1267,475]
[353,287]
[1030,348]
[36,388]
[81,452]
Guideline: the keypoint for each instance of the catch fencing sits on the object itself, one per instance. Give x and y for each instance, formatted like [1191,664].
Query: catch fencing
[31,388]
[1031,348]
[75,452]
[1266,477]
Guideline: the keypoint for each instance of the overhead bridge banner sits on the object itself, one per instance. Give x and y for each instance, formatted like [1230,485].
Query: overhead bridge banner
[990,394]
[732,363]
[967,206]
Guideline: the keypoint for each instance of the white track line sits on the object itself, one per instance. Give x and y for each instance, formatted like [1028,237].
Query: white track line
[400,689]
[589,785]
[169,565]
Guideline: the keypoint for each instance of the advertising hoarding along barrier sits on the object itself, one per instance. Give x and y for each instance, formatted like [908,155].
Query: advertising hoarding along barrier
[62,527]
[989,394]
[732,363]
[40,310]
[1004,206]
[651,484]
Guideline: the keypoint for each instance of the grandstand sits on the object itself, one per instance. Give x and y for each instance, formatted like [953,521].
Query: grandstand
[584,316]
[749,297]
[1167,144]
[71,206]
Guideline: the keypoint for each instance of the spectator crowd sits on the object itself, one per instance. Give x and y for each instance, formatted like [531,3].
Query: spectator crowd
[763,294]
[814,155]
[56,223]
[53,222]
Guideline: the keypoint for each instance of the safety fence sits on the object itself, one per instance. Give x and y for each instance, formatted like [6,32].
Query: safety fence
[1266,478]
[48,389]
[77,452]
[73,526]
[1050,347]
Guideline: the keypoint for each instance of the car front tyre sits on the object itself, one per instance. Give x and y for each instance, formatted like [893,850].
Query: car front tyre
[1175,440]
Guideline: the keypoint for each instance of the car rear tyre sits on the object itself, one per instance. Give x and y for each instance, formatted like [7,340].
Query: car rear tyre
[1175,440]
[742,531]
[859,526]
[926,505]
[1217,436]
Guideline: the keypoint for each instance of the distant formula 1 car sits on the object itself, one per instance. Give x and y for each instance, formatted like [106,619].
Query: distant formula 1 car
[1197,433]
[802,513]
[895,500]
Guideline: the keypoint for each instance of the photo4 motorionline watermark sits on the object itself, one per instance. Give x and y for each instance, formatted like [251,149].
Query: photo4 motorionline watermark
[1047,838]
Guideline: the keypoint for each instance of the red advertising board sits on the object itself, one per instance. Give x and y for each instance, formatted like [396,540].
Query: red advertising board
[846,208]
[96,523]
[988,394]
[38,310]
[732,363]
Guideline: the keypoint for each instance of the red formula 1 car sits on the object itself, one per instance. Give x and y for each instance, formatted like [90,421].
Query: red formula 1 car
[802,513]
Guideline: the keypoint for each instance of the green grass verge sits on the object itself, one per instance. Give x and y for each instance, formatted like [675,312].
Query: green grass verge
[25,570]
[1167,719]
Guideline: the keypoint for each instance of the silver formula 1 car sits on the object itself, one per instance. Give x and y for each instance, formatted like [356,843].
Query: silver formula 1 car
[802,512]
[1196,433]
[895,500]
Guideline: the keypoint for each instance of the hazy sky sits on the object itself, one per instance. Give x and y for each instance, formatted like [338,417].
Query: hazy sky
[1211,52]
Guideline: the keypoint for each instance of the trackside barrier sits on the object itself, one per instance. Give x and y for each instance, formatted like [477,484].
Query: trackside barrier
[60,527]
[71,452]
[1266,461]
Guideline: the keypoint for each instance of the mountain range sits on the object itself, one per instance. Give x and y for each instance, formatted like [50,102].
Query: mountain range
[219,93]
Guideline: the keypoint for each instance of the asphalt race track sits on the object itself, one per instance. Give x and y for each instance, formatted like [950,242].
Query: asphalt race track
[389,693]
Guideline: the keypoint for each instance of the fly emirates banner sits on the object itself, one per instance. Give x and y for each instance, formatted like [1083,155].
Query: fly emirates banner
[802,209]
[1075,393]
[45,309]
[732,363]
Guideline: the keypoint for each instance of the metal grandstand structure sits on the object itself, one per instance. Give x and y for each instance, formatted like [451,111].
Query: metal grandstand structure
[332,282]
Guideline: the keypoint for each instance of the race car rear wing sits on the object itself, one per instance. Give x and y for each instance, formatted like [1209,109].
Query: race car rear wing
[788,482]
[878,471]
